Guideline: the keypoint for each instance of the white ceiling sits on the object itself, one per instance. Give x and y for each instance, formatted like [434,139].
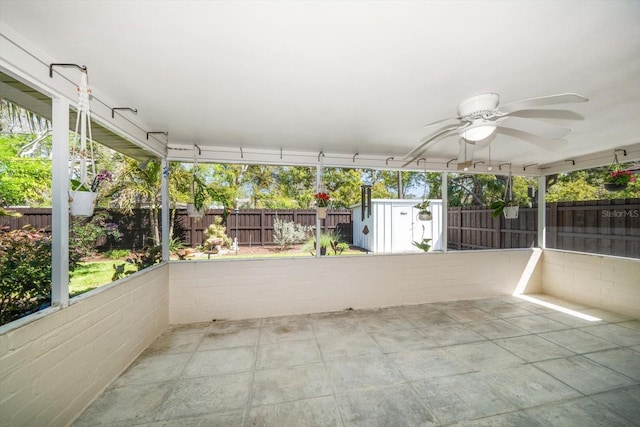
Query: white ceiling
[351,76]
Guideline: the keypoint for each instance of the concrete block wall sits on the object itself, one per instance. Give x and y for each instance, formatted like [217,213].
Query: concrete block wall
[606,282]
[236,289]
[53,367]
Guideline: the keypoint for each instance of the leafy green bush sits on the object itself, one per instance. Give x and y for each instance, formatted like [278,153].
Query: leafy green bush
[25,262]
[84,233]
[217,230]
[148,256]
[331,239]
[116,253]
[287,233]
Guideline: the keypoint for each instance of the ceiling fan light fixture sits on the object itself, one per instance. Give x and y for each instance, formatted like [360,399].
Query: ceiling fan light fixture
[478,132]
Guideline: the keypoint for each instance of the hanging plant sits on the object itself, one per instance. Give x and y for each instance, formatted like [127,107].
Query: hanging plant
[619,180]
[424,213]
[195,208]
[82,174]
[507,206]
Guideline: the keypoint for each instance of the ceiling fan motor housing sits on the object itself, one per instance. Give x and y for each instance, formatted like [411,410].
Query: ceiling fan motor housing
[478,106]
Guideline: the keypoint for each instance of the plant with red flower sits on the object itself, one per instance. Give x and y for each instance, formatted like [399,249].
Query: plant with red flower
[322,200]
[620,177]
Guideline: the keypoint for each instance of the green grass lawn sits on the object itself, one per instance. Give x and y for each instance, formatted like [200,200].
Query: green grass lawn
[90,275]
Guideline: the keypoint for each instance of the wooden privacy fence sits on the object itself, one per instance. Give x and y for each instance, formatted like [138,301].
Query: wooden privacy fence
[251,226]
[474,228]
[255,226]
[608,227]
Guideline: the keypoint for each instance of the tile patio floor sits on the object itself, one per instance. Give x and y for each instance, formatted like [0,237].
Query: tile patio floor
[487,362]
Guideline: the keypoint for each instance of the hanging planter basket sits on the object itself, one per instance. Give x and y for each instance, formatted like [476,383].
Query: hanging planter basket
[322,212]
[511,212]
[82,203]
[193,212]
[425,216]
[610,186]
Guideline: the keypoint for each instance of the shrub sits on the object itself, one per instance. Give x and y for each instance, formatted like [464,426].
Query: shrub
[84,233]
[116,253]
[287,233]
[148,256]
[25,262]
[217,230]
[331,239]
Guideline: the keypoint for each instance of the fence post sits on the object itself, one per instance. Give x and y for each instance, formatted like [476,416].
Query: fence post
[497,232]
[553,225]
[459,227]
[263,226]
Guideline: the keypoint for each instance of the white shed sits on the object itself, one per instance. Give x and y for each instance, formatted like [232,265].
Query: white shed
[393,226]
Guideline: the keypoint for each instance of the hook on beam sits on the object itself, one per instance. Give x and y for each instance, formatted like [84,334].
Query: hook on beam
[241,153]
[82,68]
[503,164]
[479,161]
[452,160]
[573,162]
[158,132]
[524,168]
[113,110]
[386,162]
[354,157]
[320,154]
[423,159]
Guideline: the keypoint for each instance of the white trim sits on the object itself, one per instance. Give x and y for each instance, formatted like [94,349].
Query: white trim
[60,204]
[542,212]
[445,210]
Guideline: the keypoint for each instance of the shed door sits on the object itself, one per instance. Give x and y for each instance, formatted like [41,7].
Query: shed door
[401,228]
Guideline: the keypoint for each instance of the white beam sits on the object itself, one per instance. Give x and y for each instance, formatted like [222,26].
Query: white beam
[445,209]
[318,220]
[165,209]
[60,203]
[542,212]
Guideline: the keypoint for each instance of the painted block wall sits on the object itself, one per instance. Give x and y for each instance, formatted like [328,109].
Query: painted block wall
[393,226]
[236,289]
[606,282]
[53,367]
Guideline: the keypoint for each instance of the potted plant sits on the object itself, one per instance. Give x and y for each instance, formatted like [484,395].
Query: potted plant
[424,245]
[507,205]
[82,197]
[509,208]
[424,214]
[195,209]
[618,180]
[322,203]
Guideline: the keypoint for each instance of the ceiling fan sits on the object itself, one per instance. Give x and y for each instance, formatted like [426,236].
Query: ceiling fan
[479,118]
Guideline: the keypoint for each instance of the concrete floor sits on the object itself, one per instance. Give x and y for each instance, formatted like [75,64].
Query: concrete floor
[488,362]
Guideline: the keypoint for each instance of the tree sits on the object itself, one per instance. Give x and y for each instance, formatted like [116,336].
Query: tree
[23,180]
[139,185]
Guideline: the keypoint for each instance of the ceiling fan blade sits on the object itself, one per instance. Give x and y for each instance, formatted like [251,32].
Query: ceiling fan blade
[465,156]
[534,127]
[563,98]
[546,144]
[425,142]
[547,114]
[438,122]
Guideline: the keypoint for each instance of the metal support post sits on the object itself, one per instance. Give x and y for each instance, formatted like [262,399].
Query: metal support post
[165,209]
[445,210]
[60,203]
[542,212]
